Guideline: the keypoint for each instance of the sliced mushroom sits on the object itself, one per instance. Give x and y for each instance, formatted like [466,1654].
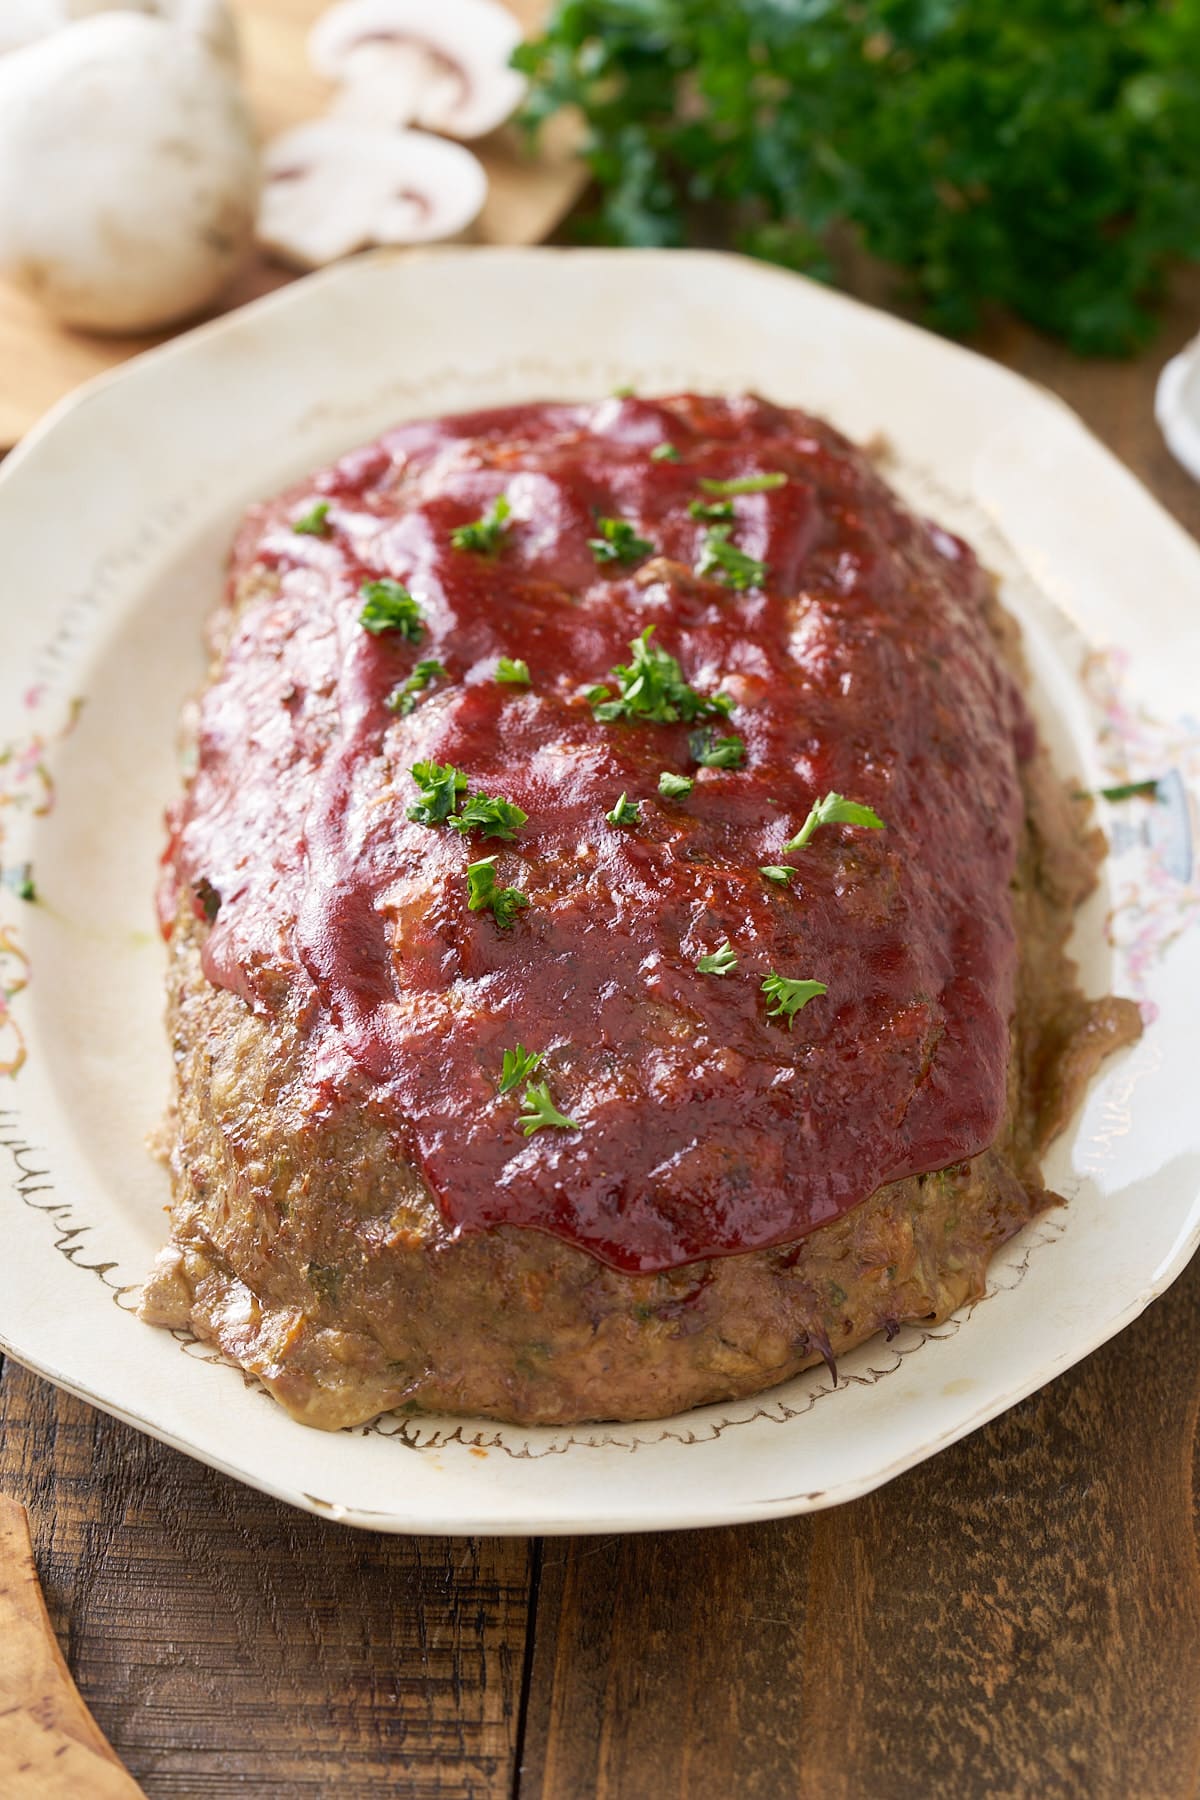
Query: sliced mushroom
[332,189]
[407,62]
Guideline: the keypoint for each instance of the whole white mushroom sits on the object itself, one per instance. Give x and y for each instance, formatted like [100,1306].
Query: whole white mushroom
[129,173]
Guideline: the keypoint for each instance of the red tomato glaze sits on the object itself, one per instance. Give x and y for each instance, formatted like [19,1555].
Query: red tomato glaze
[862,665]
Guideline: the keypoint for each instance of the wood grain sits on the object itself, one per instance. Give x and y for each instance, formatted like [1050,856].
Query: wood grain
[41,361]
[230,1646]
[50,1746]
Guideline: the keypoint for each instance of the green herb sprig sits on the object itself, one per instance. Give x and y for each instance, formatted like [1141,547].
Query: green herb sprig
[744,484]
[625,812]
[439,785]
[618,542]
[403,697]
[390,607]
[512,671]
[717,962]
[485,535]
[712,752]
[790,996]
[651,686]
[539,1110]
[482,892]
[674,787]
[490,815]
[725,562]
[516,1066]
[314,523]
[833,809]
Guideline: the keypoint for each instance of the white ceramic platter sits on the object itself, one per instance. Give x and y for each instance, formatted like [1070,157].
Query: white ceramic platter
[115,517]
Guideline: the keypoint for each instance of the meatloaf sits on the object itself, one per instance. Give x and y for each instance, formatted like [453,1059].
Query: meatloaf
[616,916]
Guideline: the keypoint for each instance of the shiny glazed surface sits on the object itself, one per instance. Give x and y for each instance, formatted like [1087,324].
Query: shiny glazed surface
[863,664]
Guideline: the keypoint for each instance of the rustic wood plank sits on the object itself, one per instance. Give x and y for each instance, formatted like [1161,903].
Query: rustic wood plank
[50,1746]
[228,1645]
[1018,1619]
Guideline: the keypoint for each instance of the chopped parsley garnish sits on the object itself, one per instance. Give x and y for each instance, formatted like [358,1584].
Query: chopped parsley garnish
[625,812]
[390,607]
[403,698]
[313,522]
[624,392]
[665,453]
[712,752]
[777,871]
[618,542]
[440,785]
[482,891]
[518,1065]
[485,534]
[1132,790]
[652,687]
[789,996]
[711,509]
[208,901]
[513,670]
[725,562]
[832,809]
[674,787]
[538,1109]
[494,817]
[744,484]
[717,962]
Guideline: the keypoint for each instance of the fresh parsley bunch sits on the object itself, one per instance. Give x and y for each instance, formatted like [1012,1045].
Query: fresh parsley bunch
[1040,153]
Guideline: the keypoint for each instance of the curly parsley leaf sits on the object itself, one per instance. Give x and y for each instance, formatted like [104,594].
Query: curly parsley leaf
[390,607]
[618,542]
[482,891]
[538,1109]
[777,871]
[712,752]
[485,535]
[439,785]
[717,962]
[710,509]
[625,812]
[665,453]
[744,484]
[403,697]
[313,523]
[517,1066]
[490,815]
[832,809]
[725,562]
[513,670]
[651,686]
[1043,156]
[674,787]
[789,996]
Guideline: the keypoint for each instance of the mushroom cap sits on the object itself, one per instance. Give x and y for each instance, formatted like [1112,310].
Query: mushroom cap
[27,20]
[449,61]
[128,173]
[333,188]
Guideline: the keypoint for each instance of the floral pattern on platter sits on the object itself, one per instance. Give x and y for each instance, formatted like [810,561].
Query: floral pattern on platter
[1152,909]
[26,785]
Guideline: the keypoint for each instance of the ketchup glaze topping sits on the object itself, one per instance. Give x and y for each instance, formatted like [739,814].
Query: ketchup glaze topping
[861,663]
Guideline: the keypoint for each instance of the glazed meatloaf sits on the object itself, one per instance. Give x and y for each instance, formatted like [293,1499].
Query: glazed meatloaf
[617,918]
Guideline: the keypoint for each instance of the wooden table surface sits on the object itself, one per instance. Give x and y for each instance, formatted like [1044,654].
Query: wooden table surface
[1019,1617]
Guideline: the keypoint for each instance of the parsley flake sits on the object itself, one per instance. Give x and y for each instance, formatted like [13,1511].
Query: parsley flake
[1132,790]
[710,509]
[518,1065]
[665,453]
[618,542]
[440,785]
[390,607]
[403,698]
[26,889]
[789,996]
[777,871]
[313,522]
[513,670]
[717,962]
[488,533]
[745,484]
[652,687]
[482,891]
[625,812]
[725,562]
[539,1109]
[494,817]
[832,809]
[674,787]
[712,752]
